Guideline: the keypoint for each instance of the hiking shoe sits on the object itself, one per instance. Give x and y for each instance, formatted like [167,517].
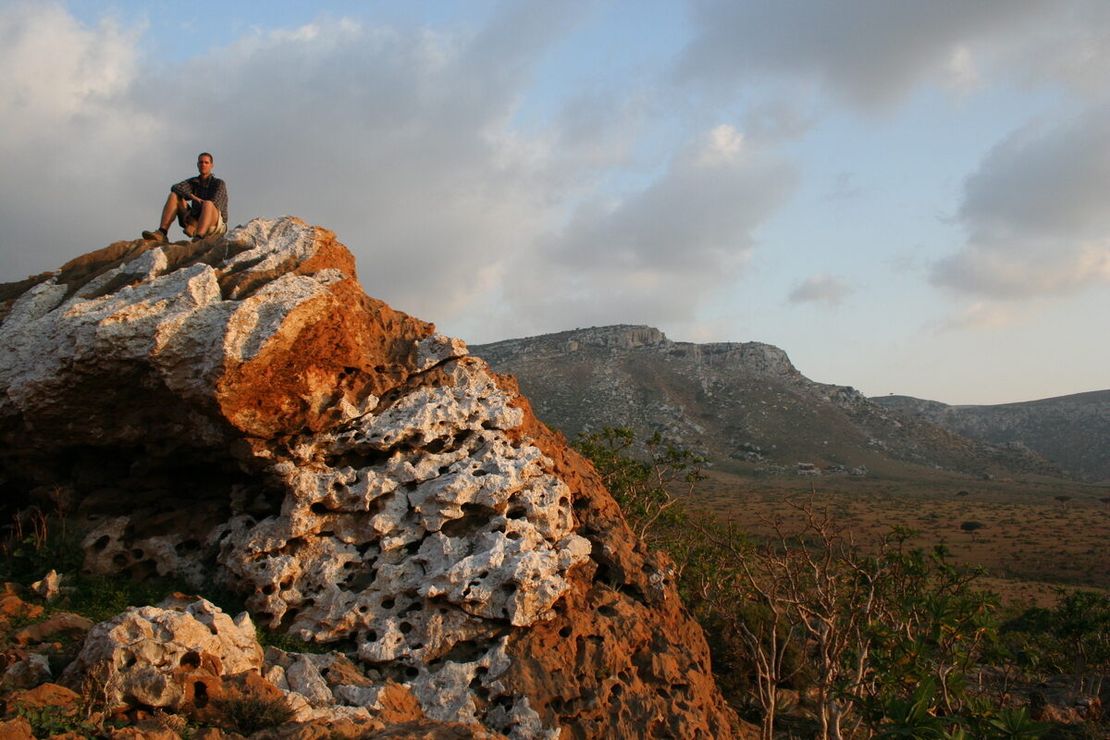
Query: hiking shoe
[154,236]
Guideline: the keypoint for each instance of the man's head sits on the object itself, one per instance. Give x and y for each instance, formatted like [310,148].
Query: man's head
[204,164]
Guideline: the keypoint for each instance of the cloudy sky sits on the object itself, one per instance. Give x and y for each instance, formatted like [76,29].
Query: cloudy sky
[906,197]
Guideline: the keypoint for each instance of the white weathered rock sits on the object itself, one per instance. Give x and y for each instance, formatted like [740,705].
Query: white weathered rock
[30,671]
[49,587]
[304,678]
[143,654]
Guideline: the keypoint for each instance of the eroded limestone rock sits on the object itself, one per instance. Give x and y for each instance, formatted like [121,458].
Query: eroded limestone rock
[147,655]
[247,413]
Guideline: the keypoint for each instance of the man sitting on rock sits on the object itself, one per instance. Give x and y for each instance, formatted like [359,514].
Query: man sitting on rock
[199,204]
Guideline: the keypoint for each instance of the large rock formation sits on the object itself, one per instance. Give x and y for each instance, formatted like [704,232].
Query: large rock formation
[239,411]
[743,406]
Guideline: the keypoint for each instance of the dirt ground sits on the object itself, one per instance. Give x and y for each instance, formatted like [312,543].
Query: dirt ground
[1035,533]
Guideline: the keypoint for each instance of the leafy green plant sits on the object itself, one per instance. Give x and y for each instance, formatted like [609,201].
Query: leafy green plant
[1012,723]
[51,720]
[645,486]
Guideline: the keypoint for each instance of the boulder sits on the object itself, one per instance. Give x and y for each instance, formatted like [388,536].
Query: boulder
[238,409]
[157,656]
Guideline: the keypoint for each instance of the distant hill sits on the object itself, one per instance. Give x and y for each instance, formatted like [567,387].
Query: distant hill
[742,405]
[1072,431]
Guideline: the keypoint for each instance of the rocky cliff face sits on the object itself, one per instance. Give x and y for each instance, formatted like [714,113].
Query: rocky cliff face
[237,409]
[1072,431]
[738,404]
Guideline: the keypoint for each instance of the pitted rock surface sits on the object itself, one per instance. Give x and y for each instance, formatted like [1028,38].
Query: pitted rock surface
[148,655]
[237,410]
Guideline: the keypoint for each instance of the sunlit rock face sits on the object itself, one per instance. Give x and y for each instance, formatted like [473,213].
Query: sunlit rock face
[239,413]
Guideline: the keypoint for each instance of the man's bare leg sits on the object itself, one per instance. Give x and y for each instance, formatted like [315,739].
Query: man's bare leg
[209,217]
[176,207]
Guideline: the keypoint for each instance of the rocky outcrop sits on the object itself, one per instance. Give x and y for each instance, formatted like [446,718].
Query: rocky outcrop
[1071,431]
[237,410]
[740,405]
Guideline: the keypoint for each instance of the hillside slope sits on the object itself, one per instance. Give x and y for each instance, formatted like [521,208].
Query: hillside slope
[1072,431]
[740,404]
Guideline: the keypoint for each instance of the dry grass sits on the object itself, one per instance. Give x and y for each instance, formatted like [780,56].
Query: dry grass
[1036,533]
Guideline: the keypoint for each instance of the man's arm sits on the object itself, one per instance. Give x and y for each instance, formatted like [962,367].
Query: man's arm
[183,189]
[220,198]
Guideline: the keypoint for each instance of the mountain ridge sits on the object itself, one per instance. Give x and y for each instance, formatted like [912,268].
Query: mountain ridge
[737,403]
[1072,430]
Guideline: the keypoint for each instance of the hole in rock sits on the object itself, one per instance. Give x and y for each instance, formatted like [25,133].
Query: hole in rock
[137,553]
[467,651]
[565,631]
[474,518]
[186,547]
[101,543]
[141,570]
[405,628]
[318,508]
[119,560]
[388,603]
[371,636]
[516,512]
[190,659]
[412,672]
[200,694]
[436,445]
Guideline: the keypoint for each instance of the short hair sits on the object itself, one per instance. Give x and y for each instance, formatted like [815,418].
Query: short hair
[206,154]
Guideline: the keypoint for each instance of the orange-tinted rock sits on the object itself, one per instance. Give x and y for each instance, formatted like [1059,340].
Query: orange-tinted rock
[363,481]
[12,606]
[61,624]
[45,695]
[16,729]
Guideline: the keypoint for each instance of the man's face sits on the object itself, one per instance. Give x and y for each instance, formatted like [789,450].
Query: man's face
[204,166]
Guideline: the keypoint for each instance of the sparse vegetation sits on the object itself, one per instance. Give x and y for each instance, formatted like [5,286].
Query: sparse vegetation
[817,635]
[247,715]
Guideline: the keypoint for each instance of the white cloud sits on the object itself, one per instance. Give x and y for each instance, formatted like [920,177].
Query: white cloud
[663,251]
[398,139]
[74,143]
[873,53]
[1035,212]
[981,315]
[826,289]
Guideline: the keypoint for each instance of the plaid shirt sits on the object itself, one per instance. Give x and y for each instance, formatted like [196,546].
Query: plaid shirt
[213,189]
